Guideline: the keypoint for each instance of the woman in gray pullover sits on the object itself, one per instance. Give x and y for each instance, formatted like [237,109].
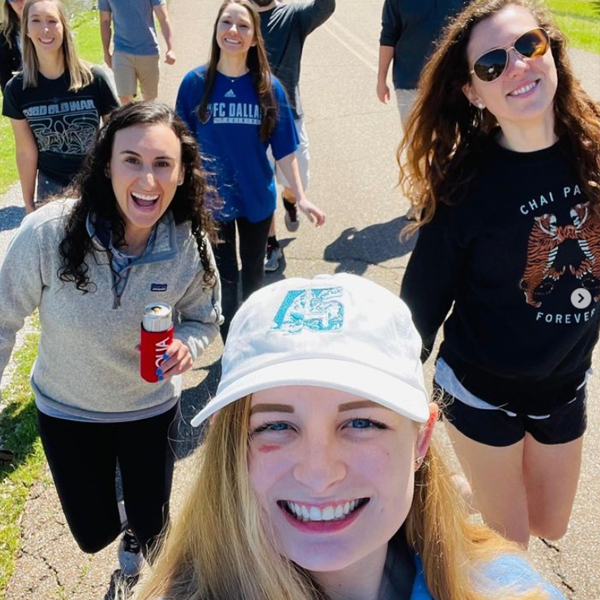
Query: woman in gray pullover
[138,232]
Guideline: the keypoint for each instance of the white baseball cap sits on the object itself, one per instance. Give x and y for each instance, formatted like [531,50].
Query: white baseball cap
[335,331]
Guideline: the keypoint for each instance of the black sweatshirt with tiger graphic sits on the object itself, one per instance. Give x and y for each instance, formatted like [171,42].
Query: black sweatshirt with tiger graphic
[516,263]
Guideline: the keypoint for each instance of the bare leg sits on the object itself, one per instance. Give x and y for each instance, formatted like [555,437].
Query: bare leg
[126,100]
[551,475]
[272,232]
[288,194]
[496,478]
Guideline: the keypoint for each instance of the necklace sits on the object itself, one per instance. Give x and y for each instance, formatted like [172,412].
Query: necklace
[233,79]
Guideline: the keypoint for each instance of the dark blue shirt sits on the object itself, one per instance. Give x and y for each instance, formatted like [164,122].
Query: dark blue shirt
[231,150]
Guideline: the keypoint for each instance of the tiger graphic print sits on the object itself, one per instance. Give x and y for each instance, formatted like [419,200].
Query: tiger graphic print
[587,234]
[542,248]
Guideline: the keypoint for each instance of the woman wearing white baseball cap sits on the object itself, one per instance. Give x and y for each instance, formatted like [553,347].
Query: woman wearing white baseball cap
[316,479]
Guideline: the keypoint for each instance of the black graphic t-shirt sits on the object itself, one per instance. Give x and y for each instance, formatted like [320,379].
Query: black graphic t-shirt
[63,123]
[518,262]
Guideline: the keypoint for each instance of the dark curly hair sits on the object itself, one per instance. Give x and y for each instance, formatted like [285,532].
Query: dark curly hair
[445,131]
[258,65]
[95,194]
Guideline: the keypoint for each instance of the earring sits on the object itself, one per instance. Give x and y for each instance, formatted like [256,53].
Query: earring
[107,172]
[480,105]
[419,460]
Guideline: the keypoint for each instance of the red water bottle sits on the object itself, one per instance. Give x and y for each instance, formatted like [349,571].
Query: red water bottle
[156,337]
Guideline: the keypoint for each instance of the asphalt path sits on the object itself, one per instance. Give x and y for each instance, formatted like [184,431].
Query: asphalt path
[353,175]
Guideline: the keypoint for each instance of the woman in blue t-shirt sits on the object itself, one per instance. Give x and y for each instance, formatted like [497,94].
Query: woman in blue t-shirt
[237,110]
[55,104]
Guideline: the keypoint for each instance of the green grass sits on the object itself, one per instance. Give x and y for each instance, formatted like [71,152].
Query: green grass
[86,30]
[18,431]
[580,20]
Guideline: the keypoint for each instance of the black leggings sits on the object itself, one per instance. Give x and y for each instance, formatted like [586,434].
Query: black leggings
[253,246]
[83,460]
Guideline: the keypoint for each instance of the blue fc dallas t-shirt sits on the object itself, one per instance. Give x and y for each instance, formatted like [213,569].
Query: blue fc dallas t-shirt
[233,156]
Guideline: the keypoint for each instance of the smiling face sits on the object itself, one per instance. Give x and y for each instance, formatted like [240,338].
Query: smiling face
[145,170]
[235,30]
[333,472]
[524,93]
[44,27]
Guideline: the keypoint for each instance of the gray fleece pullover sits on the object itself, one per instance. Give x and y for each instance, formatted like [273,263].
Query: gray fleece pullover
[87,359]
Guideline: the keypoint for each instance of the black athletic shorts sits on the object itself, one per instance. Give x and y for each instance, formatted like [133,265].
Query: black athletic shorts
[499,428]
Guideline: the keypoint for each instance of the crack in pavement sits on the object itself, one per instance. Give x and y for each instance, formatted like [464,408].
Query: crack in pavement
[50,567]
[549,545]
[561,577]
[564,583]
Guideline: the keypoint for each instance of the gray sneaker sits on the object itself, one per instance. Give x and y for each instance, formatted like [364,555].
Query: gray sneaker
[131,558]
[274,253]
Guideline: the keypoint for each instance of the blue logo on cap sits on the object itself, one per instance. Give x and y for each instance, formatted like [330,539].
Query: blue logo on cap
[311,309]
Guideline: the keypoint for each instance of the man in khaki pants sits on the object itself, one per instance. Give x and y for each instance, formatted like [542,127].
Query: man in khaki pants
[135,55]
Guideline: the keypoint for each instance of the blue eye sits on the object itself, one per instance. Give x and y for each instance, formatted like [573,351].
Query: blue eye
[365,424]
[276,426]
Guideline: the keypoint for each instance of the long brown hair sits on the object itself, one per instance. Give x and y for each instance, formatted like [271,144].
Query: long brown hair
[9,22]
[258,65]
[95,194]
[80,74]
[221,546]
[445,131]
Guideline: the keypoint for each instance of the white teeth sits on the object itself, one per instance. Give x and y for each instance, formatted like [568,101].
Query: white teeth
[328,513]
[315,514]
[146,197]
[524,89]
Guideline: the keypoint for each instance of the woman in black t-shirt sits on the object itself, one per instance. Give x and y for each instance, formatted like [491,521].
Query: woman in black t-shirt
[502,165]
[55,104]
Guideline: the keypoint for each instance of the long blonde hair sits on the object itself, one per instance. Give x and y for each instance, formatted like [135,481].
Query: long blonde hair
[9,22]
[221,548]
[80,74]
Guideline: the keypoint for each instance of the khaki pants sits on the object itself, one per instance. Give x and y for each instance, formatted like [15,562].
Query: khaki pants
[130,68]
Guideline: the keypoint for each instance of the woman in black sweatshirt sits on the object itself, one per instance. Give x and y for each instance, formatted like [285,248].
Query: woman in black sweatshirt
[502,165]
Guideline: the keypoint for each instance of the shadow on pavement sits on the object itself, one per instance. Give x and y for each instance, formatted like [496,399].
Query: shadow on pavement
[11,217]
[356,249]
[18,435]
[185,437]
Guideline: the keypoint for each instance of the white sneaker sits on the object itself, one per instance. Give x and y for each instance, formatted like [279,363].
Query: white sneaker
[131,558]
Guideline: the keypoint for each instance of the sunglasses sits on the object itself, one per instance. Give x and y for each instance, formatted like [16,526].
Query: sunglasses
[532,44]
